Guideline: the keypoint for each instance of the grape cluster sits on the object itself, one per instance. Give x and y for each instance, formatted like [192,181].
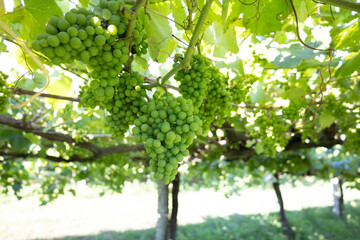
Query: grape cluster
[194,81]
[167,125]
[217,104]
[271,129]
[206,87]
[292,112]
[4,92]
[239,88]
[126,103]
[95,38]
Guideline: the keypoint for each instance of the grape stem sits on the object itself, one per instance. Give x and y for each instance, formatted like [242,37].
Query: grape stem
[186,61]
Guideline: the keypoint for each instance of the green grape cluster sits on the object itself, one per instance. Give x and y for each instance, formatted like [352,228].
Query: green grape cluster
[240,87]
[217,104]
[5,92]
[292,112]
[92,37]
[207,88]
[271,129]
[126,103]
[194,81]
[167,125]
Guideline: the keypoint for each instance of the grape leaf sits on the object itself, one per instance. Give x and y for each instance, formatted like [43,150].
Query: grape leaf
[33,17]
[350,65]
[158,29]
[348,38]
[178,12]
[225,41]
[262,16]
[84,3]
[326,119]
[293,55]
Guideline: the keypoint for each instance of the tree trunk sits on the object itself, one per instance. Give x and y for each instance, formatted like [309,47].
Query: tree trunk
[175,206]
[338,208]
[163,210]
[284,222]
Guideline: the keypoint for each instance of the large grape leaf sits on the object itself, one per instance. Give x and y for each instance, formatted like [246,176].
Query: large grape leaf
[262,17]
[225,41]
[293,55]
[178,13]
[159,31]
[348,38]
[326,119]
[33,17]
[60,86]
[350,65]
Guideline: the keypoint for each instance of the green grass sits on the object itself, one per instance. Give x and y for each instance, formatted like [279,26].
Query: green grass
[309,224]
[203,214]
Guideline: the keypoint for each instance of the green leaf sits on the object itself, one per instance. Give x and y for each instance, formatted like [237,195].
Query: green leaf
[224,41]
[178,13]
[293,55]
[257,92]
[61,86]
[259,148]
[65,5]
[33,17]
[326,119]
[294,92]
[38,81]
[84,3]
[142,62]
[351,64]
[234,10]
[347,39]
[262,17]
[158,29]
[237,67]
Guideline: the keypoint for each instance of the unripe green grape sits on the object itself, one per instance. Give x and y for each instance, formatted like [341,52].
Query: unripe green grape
[36,46]
[112,29]
[54,20]
[63,37]
[72,31]
[88,43]
[84,55]
[75,42]
[100,40]
[63,24]
[71,17]
[107,56]
[95,22]
[90,30]
[49,52]
[82,34]
[113,6]
[99,30]
[109,91]
[106,14]
[93,51]
[81,19]
[56,60]
[53,41]
[50,29]
[60,51]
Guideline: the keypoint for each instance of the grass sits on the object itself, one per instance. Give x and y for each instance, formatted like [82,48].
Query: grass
[308,224]
[203,214]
